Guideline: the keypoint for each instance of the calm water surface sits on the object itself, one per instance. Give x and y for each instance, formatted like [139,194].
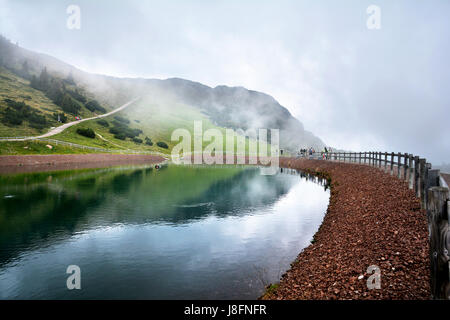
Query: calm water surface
[140,233]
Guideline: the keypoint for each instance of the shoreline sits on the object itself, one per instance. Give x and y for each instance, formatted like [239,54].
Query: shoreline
[43,163]
[372,219]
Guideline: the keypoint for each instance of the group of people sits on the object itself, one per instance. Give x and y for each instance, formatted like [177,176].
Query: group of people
[311,151]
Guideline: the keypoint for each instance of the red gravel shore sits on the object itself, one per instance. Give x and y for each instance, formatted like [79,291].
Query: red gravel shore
[372,219]
[34,163]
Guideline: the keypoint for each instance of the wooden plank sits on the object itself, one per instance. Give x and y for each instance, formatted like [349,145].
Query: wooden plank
[405,167]
[416,176]
[399,164]
[411,171]
[392,163]
[385,161]
[422,187]
[437,214]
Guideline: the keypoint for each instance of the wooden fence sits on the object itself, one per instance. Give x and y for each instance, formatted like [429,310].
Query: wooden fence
[430,188]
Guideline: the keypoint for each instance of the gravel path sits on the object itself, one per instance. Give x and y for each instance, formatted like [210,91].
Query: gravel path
[372,219]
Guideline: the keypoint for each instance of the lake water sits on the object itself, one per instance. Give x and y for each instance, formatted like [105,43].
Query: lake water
[139,233]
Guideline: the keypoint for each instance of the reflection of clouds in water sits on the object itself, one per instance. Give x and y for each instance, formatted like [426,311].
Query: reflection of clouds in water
[218,256]
[303,205]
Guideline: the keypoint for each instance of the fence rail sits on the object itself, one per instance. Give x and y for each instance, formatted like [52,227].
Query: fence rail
[433,192]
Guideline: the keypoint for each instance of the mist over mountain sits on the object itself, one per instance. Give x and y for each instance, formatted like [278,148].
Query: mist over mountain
[229,107]
[240,108]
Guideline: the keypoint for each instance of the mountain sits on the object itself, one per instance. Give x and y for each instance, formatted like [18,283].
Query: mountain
[164,103]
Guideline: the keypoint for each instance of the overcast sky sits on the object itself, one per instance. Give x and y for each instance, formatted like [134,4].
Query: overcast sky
[356,88]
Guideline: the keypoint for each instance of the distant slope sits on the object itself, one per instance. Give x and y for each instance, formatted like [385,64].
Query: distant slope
[166,104]
[237,107]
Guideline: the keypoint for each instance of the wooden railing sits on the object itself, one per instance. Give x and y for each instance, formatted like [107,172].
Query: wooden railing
[430,188]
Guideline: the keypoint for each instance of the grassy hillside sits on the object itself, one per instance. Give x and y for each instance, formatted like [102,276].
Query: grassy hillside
[156,121]
[18,89]
[19,100]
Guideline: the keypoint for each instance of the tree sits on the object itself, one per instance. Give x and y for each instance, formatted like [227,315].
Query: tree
[34,82]
[44,80]
[69,79]
[25,72]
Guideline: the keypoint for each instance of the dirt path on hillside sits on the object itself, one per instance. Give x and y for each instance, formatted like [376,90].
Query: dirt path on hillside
[63,127]
[37,163]
[372,219]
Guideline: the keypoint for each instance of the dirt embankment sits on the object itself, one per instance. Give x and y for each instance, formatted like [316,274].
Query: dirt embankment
[372,219]
[35,163]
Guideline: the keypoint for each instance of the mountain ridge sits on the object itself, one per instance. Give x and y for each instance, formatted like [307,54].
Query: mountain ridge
[233,107]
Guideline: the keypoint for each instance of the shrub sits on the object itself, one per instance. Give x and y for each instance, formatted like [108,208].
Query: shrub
[162,145]
[12,117]
[148,141]
[123,129]
[120,136]
[103,123]
[17,112]
[87,132]
[69,105]
[122,119]
[77,95]
[137,140]
[37,121]
[93,105]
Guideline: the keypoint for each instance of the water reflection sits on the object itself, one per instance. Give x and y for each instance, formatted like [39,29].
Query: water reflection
[177,232]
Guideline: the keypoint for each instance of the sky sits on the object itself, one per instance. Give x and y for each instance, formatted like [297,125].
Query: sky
[356,88]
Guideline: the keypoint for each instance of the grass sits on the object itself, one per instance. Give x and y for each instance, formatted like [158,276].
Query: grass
[18,89]
[156,122]
[38,147]
[272,288]
[155,116]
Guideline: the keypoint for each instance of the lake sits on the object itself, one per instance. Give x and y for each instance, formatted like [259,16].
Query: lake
[180,232]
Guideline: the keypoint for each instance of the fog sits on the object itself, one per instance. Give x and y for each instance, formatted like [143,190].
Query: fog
[355,88]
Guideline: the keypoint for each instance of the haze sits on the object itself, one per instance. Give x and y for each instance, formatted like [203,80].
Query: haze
[355,88]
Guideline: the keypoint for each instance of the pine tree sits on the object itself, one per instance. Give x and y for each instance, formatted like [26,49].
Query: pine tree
[44,80]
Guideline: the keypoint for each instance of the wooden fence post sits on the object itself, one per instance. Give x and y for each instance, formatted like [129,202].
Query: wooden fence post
[422,163]
[405,167]
[438,225]
[411,172]
[399,164]
[379,159]
[360,158]
[416,176]
[385,161]
[392,163]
